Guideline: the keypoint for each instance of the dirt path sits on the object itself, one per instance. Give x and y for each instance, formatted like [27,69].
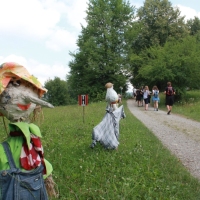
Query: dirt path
[180,135]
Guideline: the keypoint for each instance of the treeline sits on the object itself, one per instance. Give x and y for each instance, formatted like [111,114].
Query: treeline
[147,46]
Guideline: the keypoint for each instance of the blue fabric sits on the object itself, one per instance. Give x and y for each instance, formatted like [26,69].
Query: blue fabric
[18,185]
[156,99]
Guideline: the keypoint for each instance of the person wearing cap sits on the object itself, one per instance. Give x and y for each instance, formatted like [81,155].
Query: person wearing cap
[20,92]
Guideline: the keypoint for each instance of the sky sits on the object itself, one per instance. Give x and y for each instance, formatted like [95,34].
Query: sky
[39,34]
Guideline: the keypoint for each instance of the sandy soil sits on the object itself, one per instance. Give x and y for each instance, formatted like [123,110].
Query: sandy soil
[179,134]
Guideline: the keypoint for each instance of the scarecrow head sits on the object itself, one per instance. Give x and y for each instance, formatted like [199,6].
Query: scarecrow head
[20,92]
[109,85]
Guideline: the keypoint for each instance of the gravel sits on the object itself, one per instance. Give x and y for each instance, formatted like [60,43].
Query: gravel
[177,133]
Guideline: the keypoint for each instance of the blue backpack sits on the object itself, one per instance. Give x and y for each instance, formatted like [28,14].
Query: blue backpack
[16,184]
[156,93]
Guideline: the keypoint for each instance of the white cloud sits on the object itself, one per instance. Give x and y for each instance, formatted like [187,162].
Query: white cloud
[27,18]
[61,39]
[57,22]
[42,71]
[13,58]
[188,12]
[76,13]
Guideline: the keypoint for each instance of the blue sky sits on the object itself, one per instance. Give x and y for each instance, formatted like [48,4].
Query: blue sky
[39,34]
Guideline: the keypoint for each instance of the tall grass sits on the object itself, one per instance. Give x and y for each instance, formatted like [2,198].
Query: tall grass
[141,168]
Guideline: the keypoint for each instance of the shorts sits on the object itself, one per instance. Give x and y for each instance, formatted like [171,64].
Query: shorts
[146,101]
[169,100]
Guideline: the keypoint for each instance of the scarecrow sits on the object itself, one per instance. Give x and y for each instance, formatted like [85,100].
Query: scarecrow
[107,131]
[111,97]
[20,93]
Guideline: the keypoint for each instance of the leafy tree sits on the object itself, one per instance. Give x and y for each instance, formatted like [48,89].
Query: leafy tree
[194,25]
[157,23]
[177,61]
[57,92]
[160,21]
[102,53]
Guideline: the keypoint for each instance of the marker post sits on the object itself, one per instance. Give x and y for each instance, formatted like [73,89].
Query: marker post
[83,101]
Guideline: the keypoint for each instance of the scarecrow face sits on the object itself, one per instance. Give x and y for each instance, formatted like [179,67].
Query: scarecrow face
[14,104]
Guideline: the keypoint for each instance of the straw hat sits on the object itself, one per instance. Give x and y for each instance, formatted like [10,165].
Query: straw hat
[11,70]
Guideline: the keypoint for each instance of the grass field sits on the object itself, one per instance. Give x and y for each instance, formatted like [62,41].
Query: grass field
[141,168]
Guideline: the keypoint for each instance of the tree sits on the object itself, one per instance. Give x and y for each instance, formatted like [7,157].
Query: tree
[194,25]
[177,61]
[102,52]
[57,92]
[159,21]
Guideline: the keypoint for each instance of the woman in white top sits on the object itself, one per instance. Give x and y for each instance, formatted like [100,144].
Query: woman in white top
[145,96]
[156,98]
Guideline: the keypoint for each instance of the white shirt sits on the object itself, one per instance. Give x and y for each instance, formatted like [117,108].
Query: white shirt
[145,94]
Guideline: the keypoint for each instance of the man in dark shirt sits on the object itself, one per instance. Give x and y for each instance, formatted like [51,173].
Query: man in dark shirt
[170,92]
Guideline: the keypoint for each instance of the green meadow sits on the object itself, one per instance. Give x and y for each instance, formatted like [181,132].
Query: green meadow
[141,168]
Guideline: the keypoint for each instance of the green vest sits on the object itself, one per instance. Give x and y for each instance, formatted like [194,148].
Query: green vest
[16,142]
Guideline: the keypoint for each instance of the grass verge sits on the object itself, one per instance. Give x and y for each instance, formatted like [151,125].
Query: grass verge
[141,168]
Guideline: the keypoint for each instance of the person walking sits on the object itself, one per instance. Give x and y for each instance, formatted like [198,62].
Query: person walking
[145,96]
[155,98]
[169,92]
[141,94]
[138,97]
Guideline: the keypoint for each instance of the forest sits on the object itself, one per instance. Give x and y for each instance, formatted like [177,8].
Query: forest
[150,46]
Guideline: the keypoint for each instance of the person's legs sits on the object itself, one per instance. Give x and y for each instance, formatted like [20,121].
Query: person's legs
[168,109]
[146,106]
[146,101]
[156,105]
[170,104]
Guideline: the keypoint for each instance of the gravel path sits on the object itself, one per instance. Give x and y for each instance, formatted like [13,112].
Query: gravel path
[179,134]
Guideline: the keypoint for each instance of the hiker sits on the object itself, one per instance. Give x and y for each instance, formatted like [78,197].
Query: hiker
[149,97]
[141,93]
[155,97]
[22,163]
[169,92]
[145,96]
[139,97]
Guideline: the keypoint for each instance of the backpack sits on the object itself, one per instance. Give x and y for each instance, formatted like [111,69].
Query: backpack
[16,184]
[170,91]
[156,93]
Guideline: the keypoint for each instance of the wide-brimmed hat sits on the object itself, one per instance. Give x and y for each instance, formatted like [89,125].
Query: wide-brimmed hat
[11,70]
